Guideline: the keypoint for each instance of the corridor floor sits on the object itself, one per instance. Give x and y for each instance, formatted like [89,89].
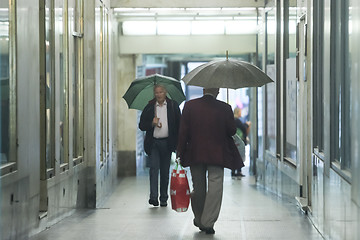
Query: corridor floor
[248,212]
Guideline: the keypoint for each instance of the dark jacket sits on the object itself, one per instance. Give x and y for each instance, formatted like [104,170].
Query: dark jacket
[205,136]
[145,124]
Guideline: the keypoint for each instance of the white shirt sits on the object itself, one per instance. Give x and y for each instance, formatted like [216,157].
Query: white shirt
[161,113]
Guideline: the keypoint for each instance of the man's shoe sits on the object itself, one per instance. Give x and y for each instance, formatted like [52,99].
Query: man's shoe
[239,174]
[163,204]
[209,231]
[197,225]
[154,202]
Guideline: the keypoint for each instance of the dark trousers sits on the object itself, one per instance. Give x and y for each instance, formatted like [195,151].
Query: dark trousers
[159,161]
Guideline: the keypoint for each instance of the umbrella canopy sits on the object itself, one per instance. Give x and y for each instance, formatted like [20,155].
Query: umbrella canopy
[141,90]
[227,73]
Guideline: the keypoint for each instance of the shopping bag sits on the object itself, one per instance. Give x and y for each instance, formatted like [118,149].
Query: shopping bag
[240,145]
[179,189]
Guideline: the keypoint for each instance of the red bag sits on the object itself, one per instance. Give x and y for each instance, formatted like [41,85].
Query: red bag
[179,190]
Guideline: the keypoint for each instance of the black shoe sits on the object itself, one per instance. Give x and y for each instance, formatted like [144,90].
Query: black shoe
[209,231]
[240,174]
[163,204]
[154,202]
[197,225]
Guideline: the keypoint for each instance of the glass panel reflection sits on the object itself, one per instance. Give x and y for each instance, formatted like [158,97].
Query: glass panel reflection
[49,84]
[270,94]
[4,86]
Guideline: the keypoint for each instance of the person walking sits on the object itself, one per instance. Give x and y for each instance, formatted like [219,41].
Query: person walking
[206,145]
[242,131]
[160,119]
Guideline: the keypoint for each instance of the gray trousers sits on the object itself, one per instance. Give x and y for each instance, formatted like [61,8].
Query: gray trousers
[159,161]
[206,197]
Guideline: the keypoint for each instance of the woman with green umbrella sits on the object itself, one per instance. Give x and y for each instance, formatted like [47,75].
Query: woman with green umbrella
[160,119]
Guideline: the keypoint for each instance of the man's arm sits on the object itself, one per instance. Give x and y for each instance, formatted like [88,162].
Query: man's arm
[230,121]
[183,131]
[146,119]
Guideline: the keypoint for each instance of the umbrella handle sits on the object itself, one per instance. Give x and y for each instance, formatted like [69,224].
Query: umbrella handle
[227,93]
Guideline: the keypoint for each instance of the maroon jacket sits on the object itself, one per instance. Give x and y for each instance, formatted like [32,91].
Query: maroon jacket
[205,136]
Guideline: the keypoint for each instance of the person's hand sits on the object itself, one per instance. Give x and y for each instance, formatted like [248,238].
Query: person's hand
[156,122]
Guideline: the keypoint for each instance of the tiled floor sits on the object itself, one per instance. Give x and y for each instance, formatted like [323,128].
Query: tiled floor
[247,213]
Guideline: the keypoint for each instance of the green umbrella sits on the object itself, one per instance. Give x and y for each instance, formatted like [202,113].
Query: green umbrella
[141,90]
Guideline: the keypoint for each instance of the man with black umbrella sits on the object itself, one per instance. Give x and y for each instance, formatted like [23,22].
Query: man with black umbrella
[206,145]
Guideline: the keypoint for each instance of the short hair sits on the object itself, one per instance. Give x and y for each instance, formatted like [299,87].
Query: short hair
[160,86]
[237,110]
[212,91]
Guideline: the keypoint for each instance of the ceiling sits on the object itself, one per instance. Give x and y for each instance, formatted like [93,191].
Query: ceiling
[185,3]
[123,14]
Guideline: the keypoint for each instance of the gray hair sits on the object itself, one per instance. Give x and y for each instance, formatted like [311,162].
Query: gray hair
[160,86]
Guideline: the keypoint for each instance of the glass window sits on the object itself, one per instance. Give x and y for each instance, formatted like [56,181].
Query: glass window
[101,22]
[318,94]
[291,84]
[61,28]
[348,80]
[340,83]
[291,19]
[291,91]
[5,86]
[102,26]
[49,68]
[270,89]
[78,81]
[107,82]
[260,121]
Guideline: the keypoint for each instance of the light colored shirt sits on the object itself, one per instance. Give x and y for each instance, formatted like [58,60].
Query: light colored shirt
[161,113]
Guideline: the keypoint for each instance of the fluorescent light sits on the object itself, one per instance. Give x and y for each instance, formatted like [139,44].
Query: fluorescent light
[129,9]
[240,27]
[173,27]
[213,18]
[139,28]
[239,9]
[166,9]
[140,14]
[172,18]
[207,27]
[203,9]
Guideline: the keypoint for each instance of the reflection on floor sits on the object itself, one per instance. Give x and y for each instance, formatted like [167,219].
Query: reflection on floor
[247,213]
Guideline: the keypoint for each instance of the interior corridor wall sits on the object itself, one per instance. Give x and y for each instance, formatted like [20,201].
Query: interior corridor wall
[126,118]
